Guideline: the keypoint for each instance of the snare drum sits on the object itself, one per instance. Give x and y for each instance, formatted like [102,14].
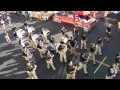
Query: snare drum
[21,33]
[24,42]
[35,37]
[46,32]
[31,30]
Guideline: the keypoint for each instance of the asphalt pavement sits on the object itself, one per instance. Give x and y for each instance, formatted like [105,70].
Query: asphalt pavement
[13,66]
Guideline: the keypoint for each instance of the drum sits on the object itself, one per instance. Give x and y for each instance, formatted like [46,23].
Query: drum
[24,42]
[46,32]
[21,33]
[31,30]
[35,37]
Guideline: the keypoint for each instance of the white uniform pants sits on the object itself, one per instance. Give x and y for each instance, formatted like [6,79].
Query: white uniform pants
[70,76]
[45,38]
[10,22]
[98,49]
[108,77]
[63,56]
[92,56]
[41,52]
[50,63]
[73,50]
[34,43]
[83,44]
[84,66]
[116,67]
[32,74]
[8,39]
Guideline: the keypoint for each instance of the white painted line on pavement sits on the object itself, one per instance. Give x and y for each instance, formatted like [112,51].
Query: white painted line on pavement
[100,65]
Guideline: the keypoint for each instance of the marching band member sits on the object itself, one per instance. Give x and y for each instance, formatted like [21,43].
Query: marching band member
[24,53]
[71,70]
[7,37]
[61,48]
[3,25]
[31,31]
[99,45]
[23,42]
[63,31]
[111,73]
[8,19]
[31,70]
[30,37]
[83,60]
[14,29]
[108,32]
[44,33]
[4,14]
[73,45]
[30,57]
[52,43]
[76,31]
[27,55]
[42,36]
[2,21]
[64,38]
[26,26]
[41,48]
[83,41]
[92,52]
[30,15]
[117,61]
[49,60]
[20,34]
[35,38]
